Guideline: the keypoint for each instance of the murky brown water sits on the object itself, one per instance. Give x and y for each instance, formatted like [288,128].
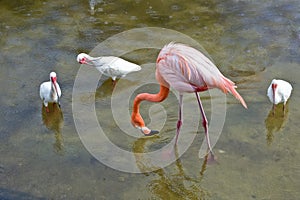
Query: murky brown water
[252,42]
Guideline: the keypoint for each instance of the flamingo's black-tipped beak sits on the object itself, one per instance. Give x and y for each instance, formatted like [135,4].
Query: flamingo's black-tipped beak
[146,131]
[152,132]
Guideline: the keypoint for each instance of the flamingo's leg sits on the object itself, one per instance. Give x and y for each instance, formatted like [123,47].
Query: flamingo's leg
[204,122]
[179,122]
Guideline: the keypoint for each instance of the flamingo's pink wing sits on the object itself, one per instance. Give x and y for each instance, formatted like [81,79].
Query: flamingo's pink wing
[188,70]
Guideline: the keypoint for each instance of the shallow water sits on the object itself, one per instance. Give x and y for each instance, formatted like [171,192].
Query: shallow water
[252,42]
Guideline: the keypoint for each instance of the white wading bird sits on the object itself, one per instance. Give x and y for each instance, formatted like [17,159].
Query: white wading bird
[109,65]
[279,92]
[50,91]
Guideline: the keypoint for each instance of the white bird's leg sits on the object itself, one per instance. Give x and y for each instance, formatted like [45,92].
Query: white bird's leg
[179,122]
[204,122]
[283,109]
[46,106]
[114,81]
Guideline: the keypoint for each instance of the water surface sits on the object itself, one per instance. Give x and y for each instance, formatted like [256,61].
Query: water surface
[252,42]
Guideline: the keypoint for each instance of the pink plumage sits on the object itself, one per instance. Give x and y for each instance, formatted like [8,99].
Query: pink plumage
[186,70]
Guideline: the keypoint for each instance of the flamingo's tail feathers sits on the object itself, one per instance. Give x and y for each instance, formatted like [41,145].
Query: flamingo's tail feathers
[230,86]
[238,96]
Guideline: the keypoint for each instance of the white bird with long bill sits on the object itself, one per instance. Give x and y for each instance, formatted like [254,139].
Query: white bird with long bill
[279,91]
[50,91]
[111,66]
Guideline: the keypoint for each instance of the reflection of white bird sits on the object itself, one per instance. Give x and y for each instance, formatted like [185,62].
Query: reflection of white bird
[93,3]
[109,65]
[279,91]
[50,91]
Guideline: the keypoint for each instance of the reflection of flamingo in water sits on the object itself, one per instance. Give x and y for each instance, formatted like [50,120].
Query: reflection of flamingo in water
[170,185]
[187,70]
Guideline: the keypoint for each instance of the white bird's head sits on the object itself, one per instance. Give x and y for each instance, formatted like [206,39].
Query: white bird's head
[274,86]
[83,58]
[53,77]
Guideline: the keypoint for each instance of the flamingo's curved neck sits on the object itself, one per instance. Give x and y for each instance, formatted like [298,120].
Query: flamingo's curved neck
[136,118]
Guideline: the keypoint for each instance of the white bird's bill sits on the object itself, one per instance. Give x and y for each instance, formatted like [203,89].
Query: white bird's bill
[50,91]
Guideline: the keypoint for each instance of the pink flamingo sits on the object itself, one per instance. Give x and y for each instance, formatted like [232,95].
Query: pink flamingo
[186,70]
